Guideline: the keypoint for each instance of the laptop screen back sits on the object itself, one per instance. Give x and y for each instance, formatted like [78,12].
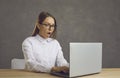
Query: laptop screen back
[85,58]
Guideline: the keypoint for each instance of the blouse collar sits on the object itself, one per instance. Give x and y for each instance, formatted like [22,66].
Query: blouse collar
[41,39]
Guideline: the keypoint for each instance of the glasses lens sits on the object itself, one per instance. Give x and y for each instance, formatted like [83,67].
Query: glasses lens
[48,25]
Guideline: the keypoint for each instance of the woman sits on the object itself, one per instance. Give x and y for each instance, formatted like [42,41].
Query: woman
[42,52]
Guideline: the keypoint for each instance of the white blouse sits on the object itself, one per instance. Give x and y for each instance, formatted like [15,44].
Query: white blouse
[42,54]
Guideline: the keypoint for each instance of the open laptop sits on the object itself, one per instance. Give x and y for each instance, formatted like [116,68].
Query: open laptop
[85,59]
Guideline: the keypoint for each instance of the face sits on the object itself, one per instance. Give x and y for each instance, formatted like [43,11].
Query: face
[47,27]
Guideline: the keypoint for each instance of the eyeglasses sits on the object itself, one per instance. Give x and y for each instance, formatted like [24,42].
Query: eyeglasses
[48,25]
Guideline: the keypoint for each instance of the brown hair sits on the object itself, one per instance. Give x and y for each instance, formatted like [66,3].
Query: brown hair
[42,16]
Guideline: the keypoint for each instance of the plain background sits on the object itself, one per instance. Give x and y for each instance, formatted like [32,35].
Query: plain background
[77,20]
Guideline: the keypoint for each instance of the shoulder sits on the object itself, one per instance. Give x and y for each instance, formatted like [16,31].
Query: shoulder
[29,40]
[53,40]
[56,42]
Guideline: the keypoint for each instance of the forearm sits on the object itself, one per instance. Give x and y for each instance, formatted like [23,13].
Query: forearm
[37,67]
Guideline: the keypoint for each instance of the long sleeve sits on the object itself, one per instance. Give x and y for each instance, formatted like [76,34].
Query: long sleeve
[31,62]
[60,60]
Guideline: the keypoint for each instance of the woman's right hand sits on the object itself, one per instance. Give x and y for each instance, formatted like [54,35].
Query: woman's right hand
[64,69]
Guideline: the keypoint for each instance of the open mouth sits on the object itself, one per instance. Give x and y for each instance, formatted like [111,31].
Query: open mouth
[49,33]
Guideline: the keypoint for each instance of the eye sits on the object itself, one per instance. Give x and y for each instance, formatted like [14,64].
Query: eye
[47,25]
[52,25]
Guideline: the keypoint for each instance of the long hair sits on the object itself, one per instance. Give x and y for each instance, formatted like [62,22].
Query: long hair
[42,16]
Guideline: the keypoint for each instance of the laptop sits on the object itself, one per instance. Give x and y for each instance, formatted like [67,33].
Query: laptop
[85,59]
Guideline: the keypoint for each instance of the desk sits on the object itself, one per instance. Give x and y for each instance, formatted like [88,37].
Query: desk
[19,73]
[13,73]
[106,73]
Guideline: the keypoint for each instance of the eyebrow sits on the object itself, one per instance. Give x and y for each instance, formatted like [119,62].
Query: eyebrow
[48,23]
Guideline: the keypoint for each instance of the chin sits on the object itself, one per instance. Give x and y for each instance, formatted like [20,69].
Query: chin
[47,36]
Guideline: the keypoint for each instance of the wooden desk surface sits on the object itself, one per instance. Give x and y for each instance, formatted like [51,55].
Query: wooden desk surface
[106,73]
[12,73]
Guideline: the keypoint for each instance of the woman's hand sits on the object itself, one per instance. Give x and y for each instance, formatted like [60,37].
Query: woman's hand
[64,69]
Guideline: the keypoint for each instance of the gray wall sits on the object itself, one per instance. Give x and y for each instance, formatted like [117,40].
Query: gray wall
[78,21]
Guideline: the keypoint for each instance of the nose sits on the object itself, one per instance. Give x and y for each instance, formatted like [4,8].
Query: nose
[50,28]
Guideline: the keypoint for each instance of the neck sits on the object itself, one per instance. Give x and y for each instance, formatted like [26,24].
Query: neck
[42,36]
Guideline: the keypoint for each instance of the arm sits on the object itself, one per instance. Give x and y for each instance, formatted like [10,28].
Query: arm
[62,64]
[60,60]
[31,62]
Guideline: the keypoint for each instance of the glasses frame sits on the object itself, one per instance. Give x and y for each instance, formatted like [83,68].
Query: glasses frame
[48,25]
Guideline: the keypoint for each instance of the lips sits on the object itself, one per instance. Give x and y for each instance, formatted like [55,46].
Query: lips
[49,33]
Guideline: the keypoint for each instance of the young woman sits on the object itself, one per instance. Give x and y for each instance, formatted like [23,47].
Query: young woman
[42,52]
